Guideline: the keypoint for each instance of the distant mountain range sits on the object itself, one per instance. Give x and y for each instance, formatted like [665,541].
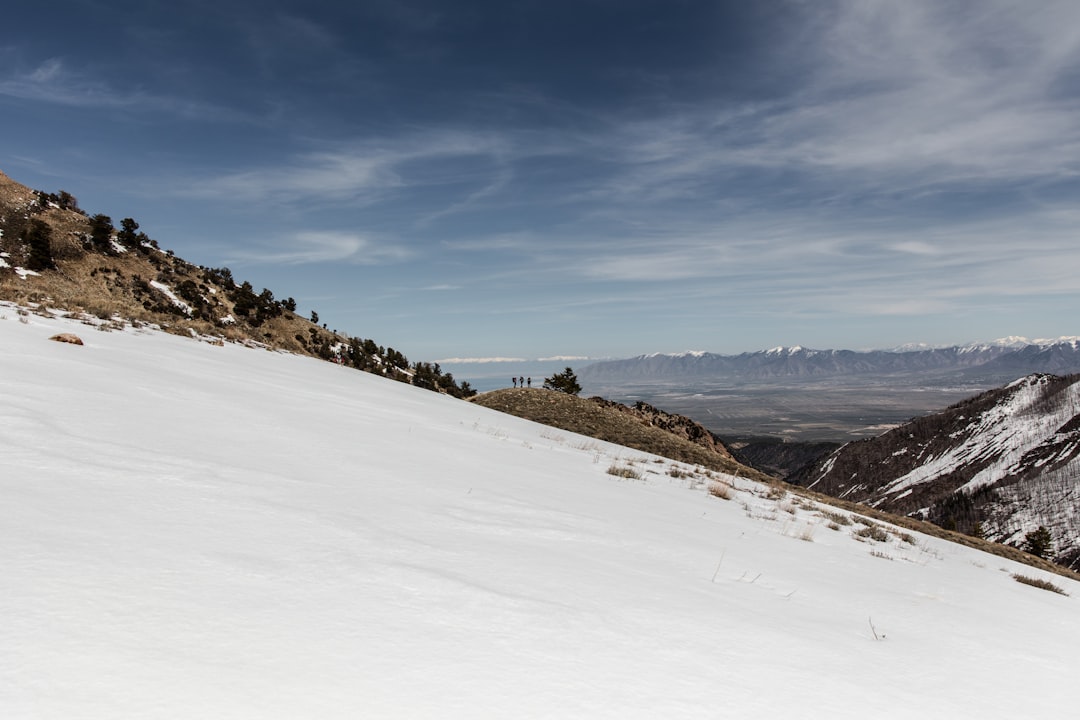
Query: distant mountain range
[998,465]
[993,363]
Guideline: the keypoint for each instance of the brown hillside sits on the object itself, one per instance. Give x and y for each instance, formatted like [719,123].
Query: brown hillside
[116,277]
[604,420]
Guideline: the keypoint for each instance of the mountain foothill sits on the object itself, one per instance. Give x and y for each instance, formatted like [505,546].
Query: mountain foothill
[1002,466]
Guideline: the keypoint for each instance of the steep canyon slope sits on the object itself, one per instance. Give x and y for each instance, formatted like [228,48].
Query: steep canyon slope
[1000,464]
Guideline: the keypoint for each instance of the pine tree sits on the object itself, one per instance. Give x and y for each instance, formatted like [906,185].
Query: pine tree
[101,231]
[39,238]
[566,382]
[127,236]
[1039,542]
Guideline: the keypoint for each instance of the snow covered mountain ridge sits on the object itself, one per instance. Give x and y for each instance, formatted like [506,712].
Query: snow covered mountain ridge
[999,465]
[993,363]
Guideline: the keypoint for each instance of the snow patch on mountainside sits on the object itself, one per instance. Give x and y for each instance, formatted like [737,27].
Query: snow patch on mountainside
[167,292]
[1000,437]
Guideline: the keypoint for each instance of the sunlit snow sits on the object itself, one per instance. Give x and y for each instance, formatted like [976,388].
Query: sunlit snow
[194,531]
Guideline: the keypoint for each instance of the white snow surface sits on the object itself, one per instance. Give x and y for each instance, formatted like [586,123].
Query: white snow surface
[192,531]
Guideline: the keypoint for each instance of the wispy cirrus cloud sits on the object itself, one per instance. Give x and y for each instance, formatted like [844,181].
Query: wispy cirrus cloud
[362,170]
[328,246]
[52,81]
[903,97]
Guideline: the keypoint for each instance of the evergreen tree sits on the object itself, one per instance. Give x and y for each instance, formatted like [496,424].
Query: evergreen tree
[101,232]
[244,300]
[566,382]
[67,201]
[128,237]
[1039,542]
[39,238]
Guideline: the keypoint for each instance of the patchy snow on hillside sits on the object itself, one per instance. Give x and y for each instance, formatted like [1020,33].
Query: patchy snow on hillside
[167,292]
[194,531]
[1002,435]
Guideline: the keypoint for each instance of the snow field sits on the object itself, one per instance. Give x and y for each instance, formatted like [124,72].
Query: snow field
[201,531]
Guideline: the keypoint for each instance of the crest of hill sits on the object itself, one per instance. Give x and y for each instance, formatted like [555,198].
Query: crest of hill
[54,257]
[642,427]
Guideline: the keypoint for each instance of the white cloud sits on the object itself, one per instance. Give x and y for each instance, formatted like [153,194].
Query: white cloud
[330,246]
[479,360]
[363,172]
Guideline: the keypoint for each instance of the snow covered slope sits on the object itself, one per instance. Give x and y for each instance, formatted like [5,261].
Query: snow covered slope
[192,531]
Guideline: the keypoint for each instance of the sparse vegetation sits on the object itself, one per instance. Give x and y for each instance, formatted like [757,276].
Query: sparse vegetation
[721,490]
[835,518]
[87,265]
[776,492]
[624,471]
[872,531]
[1039,583]
[603,421]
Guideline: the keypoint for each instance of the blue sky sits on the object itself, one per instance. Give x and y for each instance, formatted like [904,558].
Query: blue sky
[599,178]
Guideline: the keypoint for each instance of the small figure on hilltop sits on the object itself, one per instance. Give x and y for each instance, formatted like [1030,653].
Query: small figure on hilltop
[530,381]
[521,382]
[514,380]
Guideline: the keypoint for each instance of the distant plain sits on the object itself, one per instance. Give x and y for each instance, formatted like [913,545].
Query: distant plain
[837,409]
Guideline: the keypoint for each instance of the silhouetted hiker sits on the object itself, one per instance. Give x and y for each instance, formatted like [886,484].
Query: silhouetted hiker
[514,380]
[530,381]
[521,381]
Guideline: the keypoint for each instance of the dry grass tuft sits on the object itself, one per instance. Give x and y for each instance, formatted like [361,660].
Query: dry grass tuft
[624,472]
[721,489]
[872,531]
[1041,584]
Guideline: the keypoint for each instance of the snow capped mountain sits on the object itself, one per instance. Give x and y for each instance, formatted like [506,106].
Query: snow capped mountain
[193,530]
[1005,462]
[994,363]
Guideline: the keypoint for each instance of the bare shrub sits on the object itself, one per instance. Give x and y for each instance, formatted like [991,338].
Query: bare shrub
[1039,583]
[721,490]
[873,531]
[624,472]
[836,518]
